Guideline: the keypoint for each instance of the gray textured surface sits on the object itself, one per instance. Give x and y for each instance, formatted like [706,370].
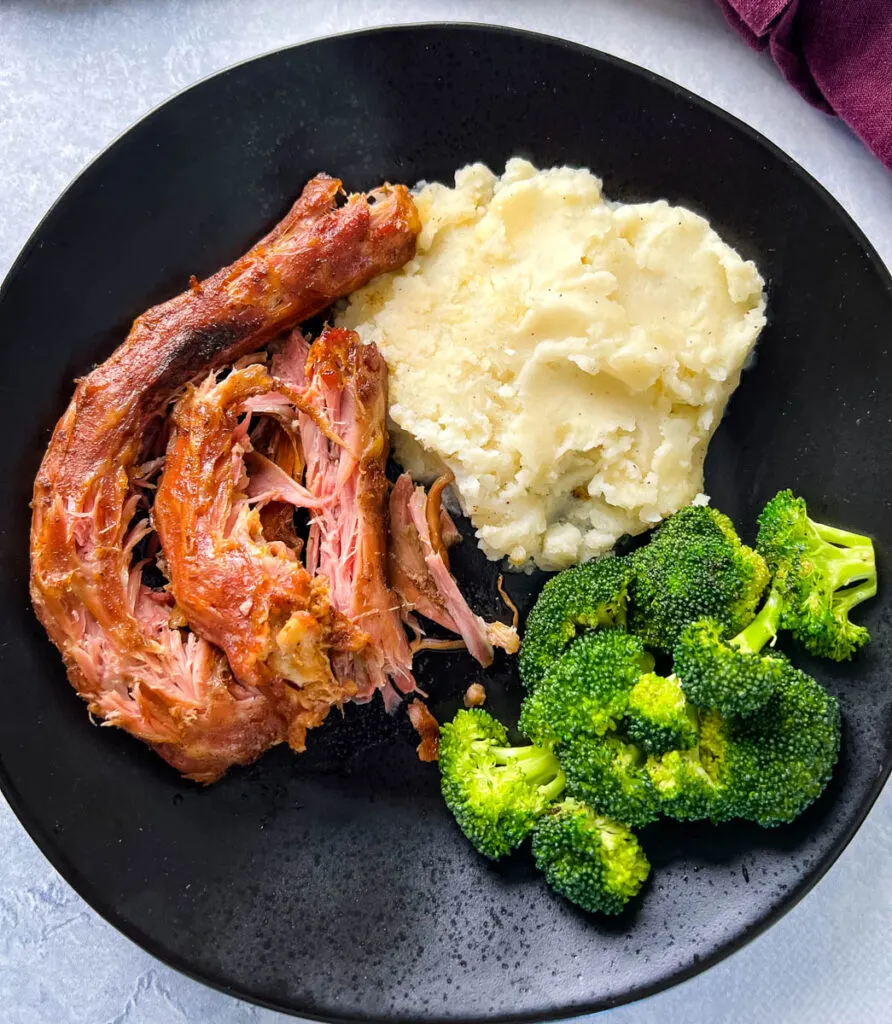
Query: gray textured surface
[75,73]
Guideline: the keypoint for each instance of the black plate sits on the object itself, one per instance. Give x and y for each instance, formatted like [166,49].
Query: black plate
[336,885]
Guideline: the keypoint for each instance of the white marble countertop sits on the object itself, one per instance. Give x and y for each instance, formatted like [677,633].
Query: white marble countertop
[74,74]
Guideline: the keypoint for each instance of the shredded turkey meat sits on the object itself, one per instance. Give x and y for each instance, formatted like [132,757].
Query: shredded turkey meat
[346,385]
[238,589]
[421,576]
[256,635]
[123,643]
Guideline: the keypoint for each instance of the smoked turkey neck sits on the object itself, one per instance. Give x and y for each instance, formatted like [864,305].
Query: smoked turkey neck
[134,666]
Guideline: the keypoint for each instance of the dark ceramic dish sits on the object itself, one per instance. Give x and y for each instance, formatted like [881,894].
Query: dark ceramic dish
[335,885]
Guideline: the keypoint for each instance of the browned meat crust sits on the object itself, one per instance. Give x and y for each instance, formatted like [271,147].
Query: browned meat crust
[428,729]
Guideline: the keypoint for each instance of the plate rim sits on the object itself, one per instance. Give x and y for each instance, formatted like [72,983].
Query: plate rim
[57,859]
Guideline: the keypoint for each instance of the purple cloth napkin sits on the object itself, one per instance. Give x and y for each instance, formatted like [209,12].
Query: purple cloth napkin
[837,53]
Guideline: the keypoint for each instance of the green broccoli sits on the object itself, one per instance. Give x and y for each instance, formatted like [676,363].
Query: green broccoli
[767,767]
[610,774]
[692,784]
[658,715]
[582,701]
[695,567]
[495,792]
[591,860]
[731,676]
[587,689]
[824,573]
[591,595]
[779,759]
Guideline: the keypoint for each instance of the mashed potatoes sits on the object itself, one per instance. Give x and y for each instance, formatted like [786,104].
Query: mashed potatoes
[568,359]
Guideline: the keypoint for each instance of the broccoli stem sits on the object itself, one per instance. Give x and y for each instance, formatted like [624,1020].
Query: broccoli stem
[846,600]
[844,566]
[539,765]
[553,789]
[531,753]
[763,628]
[845,556]
[841,538]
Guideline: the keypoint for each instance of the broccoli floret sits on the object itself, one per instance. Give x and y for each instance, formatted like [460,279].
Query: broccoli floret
[767,767]
[695,567]
[586,691]
[731,676]
[824,572]
[575,710]
[658,715]
[593,861]
[495,792]
[692,784]
[591,595]
[778,760]
[610,775]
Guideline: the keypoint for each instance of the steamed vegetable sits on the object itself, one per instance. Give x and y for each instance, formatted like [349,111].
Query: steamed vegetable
[595,862]
[731,730]
[587,596]
[732,676]
[768,767]
[822,572]
[659,715]
[586,691]
[695,567]
[495,791]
